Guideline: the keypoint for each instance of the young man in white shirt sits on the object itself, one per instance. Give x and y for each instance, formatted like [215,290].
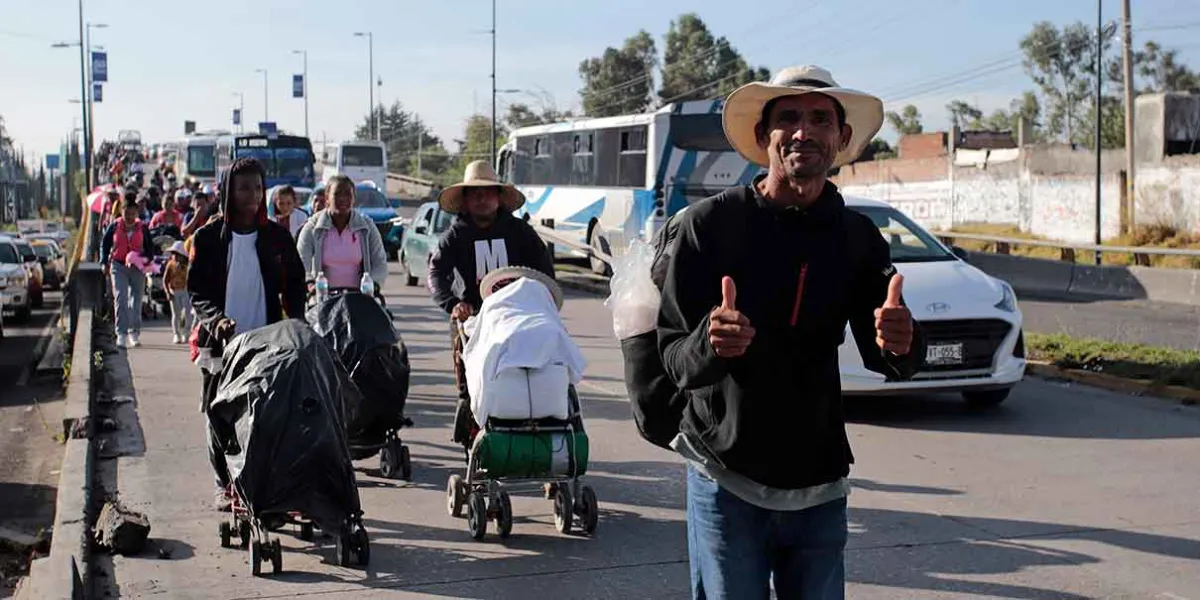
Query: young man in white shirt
[245,273]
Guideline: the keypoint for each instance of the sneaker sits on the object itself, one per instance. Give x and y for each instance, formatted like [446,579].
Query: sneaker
[178,339]
[120,341]
[134,342]
[222,501]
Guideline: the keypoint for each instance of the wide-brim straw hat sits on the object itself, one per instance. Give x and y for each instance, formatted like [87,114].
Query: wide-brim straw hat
[480,174]
[744,107]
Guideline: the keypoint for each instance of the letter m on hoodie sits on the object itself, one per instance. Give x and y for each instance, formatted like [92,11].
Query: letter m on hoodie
[489,255]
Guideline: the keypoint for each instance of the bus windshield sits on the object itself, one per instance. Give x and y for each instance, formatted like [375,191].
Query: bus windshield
[701,132]
[202,161]
[293,163]
[362,156]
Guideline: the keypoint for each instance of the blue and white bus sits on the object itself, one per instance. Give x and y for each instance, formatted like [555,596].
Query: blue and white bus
[288,159]
[602,180]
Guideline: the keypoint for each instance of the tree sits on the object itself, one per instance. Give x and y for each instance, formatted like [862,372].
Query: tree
[878,149]
[698,66]
[474,145]
[963,115]
[521,115]
[1159,66]
[907,121]
[404,133]
[1063,65]
[619,81]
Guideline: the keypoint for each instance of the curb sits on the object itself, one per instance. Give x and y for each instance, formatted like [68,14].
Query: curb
[1182,395]
[581,283]
[63,573]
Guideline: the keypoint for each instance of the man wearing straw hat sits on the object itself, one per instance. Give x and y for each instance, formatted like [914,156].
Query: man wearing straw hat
[786,265]
[484,237]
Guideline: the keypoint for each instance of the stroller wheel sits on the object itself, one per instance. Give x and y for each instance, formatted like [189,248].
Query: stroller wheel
[244,532]
[405,464]
[226,533]
[389,459]
[504,514]
[276,557]
[564,509]
[306,532]
[343,548]
[256,551]
[588,509]
[362,547]
[477,517]
[455,496]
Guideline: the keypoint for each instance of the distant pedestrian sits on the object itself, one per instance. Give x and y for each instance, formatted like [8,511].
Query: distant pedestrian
[126,237]
[284,210]
[245,273]
[787,266]
[175,284]
[168,216]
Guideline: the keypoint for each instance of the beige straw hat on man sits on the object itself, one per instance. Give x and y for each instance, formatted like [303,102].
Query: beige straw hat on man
[744,109]
[480,174]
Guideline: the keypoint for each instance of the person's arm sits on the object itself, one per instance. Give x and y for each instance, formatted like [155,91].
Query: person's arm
[536,250]
[441,273]
[295,289]
[379,265]
[690,292]
[106,244]
[305,247]
[869,293]
[205,268]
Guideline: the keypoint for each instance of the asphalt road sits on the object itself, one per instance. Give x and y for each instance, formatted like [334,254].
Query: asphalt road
[1062,492]
[30,417]
[1137,321]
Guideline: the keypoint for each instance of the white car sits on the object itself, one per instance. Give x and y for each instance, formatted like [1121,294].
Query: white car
[14,280]
[971,321]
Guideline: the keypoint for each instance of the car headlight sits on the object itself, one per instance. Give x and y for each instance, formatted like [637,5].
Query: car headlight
[1008,302]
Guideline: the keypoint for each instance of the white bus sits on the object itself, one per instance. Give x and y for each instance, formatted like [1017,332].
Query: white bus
[609,180]
[360,160]
[203,155]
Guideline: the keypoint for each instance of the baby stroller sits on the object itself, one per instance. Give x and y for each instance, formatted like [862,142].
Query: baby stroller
[280,415]
[360,332]
[521,367]
[164,237]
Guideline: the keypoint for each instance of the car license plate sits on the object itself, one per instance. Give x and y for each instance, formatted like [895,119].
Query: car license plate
[944,354]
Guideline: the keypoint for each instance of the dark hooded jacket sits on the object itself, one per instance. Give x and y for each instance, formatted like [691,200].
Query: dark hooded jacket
[474,252]
[283,275]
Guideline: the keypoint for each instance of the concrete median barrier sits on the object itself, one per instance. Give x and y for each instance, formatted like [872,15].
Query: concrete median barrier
[1027,275]
[1037,276]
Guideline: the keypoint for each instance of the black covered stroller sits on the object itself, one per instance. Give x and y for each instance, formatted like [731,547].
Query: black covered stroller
[360,332]
[280,415]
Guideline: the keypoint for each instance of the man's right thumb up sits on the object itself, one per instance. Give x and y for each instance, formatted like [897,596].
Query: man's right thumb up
[728,293]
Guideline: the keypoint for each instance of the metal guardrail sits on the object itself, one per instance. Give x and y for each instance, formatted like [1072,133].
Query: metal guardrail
[1141,254]
[549,234]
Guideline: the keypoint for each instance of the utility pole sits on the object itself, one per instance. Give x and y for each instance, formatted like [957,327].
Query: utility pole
[83,91]
[372,122]
[304,87]
[420,138]
[1099,98]
[1127,71]
[493,136]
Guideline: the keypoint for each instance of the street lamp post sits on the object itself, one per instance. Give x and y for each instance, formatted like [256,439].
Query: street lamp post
[373,123]
[266,109]
[304,89]
[493,135]
[83,91]
[91,120]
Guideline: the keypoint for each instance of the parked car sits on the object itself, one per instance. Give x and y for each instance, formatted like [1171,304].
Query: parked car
[420,239]
[37,296]
[53,261]
[14,280]
[971,321]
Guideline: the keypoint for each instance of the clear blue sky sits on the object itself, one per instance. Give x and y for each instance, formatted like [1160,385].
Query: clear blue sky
[168,64]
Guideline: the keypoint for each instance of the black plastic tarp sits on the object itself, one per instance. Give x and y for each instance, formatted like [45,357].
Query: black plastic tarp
[280,414]
[360,331]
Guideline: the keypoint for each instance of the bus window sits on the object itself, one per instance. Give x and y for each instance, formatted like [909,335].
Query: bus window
[362,156]
[201,161]
[702,132]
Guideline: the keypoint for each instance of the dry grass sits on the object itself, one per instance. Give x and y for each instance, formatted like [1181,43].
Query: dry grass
[1164,366]
[1158,235]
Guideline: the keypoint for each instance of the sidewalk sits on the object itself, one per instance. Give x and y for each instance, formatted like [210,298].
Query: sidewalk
[417,549]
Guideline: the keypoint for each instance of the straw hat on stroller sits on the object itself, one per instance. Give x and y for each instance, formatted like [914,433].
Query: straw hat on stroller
[480,174]
[498,278]
[744,109]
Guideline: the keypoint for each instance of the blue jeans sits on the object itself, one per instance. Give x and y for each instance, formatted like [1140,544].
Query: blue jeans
[735,548]
[128,286]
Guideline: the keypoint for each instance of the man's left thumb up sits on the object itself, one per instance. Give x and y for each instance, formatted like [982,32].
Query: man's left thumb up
[895,290]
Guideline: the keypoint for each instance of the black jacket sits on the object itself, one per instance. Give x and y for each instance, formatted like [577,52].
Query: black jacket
[283,275]
[775,414]
[474,252]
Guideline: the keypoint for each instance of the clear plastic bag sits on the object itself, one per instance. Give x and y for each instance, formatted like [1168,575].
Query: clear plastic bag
[634,299]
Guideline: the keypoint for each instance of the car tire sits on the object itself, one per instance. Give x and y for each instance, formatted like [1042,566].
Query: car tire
[985,398]
[409,279]
[24,314]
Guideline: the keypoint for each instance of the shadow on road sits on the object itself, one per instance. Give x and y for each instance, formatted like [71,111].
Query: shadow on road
[932,566]
[893,488]
[1035,408]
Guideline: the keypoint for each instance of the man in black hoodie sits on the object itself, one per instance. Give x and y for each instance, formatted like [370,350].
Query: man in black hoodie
[484,237]
[759,290]
[245,273]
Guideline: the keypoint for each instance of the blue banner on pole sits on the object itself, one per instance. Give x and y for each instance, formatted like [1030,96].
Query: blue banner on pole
[297,86]
[237,116]
[97,92]
[100,66]
[52,162]
[267,127]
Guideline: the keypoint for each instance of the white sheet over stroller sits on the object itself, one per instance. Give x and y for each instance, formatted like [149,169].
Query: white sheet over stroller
[520,359]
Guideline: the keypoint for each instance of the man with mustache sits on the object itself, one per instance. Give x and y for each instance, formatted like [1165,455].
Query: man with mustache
[786,265]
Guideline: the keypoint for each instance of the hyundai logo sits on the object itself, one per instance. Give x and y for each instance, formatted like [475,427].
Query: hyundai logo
[938,307]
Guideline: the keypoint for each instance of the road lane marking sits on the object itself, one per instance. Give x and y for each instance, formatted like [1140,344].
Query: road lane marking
[38,351]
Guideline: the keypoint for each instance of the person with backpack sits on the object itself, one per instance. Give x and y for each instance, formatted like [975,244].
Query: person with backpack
[760,284]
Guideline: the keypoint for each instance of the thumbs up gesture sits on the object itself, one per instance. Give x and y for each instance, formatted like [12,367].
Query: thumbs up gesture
[729,331]
[893,321]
